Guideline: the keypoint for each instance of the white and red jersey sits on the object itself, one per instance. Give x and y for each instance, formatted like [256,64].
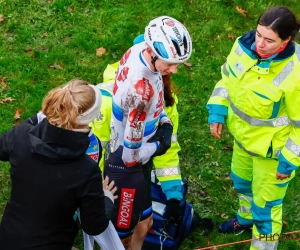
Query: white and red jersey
[138,107]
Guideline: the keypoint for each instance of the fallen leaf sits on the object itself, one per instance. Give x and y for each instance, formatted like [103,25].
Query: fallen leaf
[188,64]
[18,114]
[203,193]
[56,66]
[227,148]
[234,191]
[3,82]
[224,216]
[44,35]
[70,9]
[28,50]
[241,11]
[67,40]
[100,51]
[7,99]
[284,222]
[231,36]
[1,18]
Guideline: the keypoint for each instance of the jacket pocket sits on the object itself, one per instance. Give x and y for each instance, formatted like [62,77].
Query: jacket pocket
[275,189]
[263,104]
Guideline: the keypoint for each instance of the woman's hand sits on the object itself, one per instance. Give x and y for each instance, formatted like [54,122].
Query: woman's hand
[280,176]
[111,187]
[216,129]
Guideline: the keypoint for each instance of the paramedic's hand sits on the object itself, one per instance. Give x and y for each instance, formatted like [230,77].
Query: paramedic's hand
[280,176]
[110,187]
[164,136]
[216,129]
[173,210]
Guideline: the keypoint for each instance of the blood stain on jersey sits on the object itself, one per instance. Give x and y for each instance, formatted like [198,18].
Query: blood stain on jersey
[123,74]
[144,88]
[125,57]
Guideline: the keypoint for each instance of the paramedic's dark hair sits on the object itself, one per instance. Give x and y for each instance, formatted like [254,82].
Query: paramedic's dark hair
[281,20]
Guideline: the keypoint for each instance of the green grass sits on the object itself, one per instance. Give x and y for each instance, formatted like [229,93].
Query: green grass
[77,28]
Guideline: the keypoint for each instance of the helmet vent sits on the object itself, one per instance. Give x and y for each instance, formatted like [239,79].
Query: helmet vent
[184,43]
[176,45]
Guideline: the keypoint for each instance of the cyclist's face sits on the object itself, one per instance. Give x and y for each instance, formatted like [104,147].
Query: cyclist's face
[166,68]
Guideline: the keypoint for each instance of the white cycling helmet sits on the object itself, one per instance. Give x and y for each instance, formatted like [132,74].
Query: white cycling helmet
[168,39]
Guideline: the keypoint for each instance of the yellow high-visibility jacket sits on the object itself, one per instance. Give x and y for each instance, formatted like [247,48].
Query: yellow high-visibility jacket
[166,166]
[260,100]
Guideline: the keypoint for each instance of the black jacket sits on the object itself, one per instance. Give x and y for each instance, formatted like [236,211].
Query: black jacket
[51,177]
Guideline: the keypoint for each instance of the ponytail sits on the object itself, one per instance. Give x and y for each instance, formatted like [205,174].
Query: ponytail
[63,105]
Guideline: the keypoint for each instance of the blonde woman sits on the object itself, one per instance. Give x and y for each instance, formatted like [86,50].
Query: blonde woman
[52,175]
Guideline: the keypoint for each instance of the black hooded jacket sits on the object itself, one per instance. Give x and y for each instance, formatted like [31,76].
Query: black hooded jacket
[51,177]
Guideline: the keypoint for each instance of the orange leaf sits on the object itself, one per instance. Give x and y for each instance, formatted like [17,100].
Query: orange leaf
[44,35]
[241,11]
[188,64]
[18,114]
[8,99]
[100,51]
[56,66]
[231,36]
[1,18]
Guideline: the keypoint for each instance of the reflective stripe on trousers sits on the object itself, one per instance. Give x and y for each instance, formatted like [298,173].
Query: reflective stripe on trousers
[258,244]
[246,207]
[162,172]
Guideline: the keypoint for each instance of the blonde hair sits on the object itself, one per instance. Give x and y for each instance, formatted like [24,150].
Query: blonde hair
[63,105]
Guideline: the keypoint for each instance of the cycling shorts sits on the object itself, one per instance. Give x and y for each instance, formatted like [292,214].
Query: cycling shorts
[131,190]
